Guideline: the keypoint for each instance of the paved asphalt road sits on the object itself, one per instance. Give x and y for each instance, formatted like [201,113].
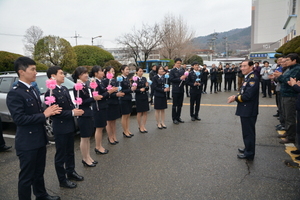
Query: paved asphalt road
[194,160]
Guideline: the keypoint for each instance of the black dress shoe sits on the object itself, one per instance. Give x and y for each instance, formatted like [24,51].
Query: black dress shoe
[99,152]
[5,148]
[296,152]
[68,184]
[282,136]
[286,141]
[175,121]
[281,128]
[95,162]
[241,150]
[87,165]
[264,97]
[242,156]
[127,136]
[112,143]
[193,118]
[74,176]
[197,118]
[48,197]
[277,115]
[179,120]
[117,141]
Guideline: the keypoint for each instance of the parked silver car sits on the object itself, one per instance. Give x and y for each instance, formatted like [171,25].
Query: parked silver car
[7,80]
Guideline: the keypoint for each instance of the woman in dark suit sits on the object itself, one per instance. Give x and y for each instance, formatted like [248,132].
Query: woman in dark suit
[141,99]
[85,122]
[113,111]
[125,101]
[100,107]
[160,98]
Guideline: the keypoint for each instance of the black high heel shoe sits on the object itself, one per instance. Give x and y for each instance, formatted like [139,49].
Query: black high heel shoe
[159,127]
[163,126]
[112,143]
[87,165]
[99,152]
[127,136]
[95,162]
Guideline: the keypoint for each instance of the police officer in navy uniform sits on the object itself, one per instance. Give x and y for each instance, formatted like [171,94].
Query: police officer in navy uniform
[247,109]
[194,80]
[64,129]
[31,139]
[177,78]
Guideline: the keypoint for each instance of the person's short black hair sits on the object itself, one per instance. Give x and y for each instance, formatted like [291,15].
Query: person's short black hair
[177,59]
[94,70]
[266,62]
[195,63]
[78,71]
[157,68]
[138,68]
[107,69]
[256,63]
[22,63]
[53,70]
[123,68]
[250,62]
[294,56]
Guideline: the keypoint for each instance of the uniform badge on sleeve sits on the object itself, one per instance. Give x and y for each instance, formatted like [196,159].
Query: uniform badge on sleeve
[252,83]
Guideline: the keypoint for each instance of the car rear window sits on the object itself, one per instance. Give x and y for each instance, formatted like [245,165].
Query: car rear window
[41,82]
[6,84]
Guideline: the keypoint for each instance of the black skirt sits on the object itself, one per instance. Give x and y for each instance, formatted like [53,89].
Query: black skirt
[86,126]
[126,107]
[142,105]
[100,118]
[113,112]
[160,103]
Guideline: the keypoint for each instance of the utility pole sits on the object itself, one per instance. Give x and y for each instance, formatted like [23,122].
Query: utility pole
[226,46]
[76,36]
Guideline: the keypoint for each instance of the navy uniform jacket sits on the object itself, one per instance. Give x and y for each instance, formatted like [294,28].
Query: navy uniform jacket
[175,75]
[101,89]
[213,74]
[192,79]
[158,85]
[113,99]
[84,94]
[227,72]
[63,123]
[27,113]
[141,83]
[247,99]
[126,88]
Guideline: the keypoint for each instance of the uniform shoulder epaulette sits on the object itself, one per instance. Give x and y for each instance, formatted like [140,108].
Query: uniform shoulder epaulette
[16,86]
[251,76]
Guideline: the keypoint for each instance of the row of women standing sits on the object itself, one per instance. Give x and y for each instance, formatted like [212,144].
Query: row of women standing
[110,99]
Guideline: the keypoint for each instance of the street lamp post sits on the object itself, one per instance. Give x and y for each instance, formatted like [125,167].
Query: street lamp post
[95,38]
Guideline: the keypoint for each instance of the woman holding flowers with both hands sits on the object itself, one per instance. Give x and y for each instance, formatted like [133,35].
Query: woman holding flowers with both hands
[113,111]
[141,99]
[100,106]
[85,122]
[160,99]
[125,101]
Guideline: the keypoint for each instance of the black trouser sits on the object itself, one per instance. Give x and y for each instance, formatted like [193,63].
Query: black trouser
[177,105]
[228,83]
[248,129]
[234,82]
[64,157]
[289,106]
[213,84]
[266,84]
[298,130]
[204,83]
[2,142]
[279,106]
[151,93]
[219,86]
[32,165]
[187,90]
[195,104]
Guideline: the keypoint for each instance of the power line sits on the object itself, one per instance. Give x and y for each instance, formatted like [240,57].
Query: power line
[11,35]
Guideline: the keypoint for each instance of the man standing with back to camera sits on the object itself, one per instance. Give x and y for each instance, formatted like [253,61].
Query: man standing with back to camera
[247,109]
[27,112]
[177,78]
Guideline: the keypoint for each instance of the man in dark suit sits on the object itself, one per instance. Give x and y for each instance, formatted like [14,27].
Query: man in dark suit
[31,139]
[247,109]
[194,81]
[177,78]
[64,129]
[213,78]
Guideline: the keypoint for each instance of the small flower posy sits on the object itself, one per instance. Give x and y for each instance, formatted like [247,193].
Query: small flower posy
[50,84]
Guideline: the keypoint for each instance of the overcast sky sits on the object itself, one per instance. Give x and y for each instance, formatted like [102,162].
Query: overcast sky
[112,18]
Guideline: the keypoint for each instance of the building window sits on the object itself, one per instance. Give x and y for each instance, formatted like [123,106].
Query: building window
[294,7]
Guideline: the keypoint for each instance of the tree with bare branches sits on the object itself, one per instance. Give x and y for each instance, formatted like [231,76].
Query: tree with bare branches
[141,42]
[176,40]
[31,37]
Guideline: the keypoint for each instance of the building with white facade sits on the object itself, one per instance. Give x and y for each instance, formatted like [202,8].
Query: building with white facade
[274,22]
